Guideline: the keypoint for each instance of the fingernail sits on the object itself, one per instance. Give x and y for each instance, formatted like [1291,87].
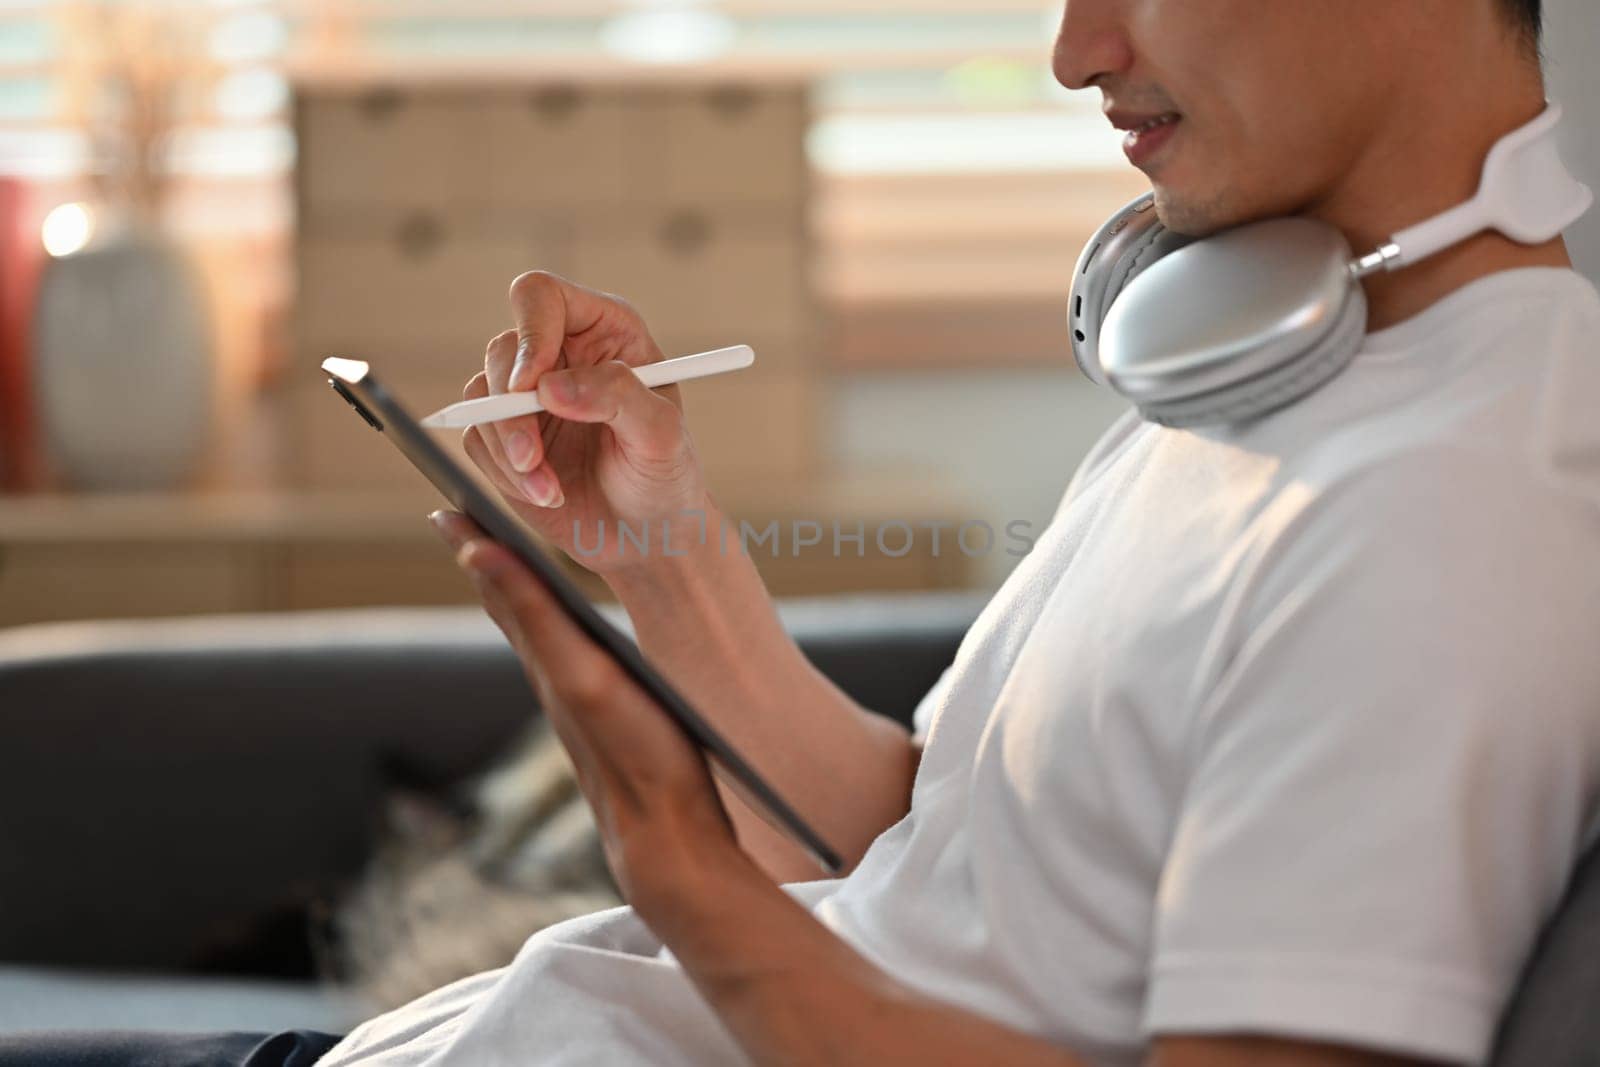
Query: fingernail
[519,450]
[562,386]
[540,488]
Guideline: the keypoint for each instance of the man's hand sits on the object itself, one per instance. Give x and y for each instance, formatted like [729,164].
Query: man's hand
[660,818]
[609,451]
[606,449]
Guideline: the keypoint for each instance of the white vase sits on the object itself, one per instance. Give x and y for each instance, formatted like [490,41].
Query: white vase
[123,363]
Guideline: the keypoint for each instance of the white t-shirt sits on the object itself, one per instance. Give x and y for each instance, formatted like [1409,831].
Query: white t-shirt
[1292,728]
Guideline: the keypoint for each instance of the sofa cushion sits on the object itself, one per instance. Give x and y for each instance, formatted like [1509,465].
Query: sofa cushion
[174,792]
[1554,1018]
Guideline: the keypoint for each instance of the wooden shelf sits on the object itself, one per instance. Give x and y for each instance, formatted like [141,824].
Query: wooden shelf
[180,518]
[148,555]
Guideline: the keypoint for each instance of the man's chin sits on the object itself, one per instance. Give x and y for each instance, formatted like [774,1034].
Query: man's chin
[1192,214]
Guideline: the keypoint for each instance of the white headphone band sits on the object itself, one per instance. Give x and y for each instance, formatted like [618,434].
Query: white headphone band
[1526,192]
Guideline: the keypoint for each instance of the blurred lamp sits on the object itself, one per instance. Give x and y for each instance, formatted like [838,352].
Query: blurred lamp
[67,229]
[669,34]
[252,93]
[249,36]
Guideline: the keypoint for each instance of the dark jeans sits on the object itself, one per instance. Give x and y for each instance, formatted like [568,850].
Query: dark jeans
[120,1048]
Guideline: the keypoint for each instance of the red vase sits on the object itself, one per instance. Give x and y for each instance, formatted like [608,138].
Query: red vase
[20,256]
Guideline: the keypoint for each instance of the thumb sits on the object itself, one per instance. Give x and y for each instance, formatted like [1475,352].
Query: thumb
[645,423]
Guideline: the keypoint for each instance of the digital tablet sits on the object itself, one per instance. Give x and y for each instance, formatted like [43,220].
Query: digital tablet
[354,381]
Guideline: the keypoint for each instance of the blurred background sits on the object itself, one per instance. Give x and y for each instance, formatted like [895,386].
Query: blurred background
[200,201]
[209,818]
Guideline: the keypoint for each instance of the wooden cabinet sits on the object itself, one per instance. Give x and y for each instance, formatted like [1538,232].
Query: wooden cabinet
[692,269]
[140,556]
[330,447]
[384,150]
[558,146]
[421,293]
[728,144]
[315,575]
[52,581]
[419,202]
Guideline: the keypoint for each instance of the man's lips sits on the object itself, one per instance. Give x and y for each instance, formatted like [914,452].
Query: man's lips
[1126,119]
[1147,133]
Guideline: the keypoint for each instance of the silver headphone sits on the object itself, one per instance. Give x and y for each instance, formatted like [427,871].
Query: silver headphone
[1235,326]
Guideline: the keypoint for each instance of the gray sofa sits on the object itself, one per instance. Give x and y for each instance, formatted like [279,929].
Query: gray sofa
[177,797]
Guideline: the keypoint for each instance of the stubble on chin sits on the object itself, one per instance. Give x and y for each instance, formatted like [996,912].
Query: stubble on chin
[1194,214]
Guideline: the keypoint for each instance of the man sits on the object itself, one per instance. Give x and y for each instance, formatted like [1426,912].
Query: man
[1277,750]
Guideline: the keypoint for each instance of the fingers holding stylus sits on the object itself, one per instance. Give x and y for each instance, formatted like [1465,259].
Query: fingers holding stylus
[519,442]
[484,448]
[478,447]
[476,389]
[648,424]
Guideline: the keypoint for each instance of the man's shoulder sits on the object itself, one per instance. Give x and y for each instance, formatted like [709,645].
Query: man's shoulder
[1114,442]
[1440,527]
[1498,403]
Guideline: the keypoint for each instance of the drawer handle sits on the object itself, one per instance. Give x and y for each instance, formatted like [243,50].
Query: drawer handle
[420,236]
[731,102]
[686,233]
[380,105]
[558,103]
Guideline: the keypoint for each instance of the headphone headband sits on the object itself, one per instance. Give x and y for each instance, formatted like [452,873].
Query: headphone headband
[1526,192]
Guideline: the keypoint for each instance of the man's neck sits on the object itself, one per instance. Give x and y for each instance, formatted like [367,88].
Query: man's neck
[1427,158]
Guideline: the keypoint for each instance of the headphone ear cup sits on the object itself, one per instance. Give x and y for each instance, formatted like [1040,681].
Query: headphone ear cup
[1125,246]
[1235,326]
[1278,388]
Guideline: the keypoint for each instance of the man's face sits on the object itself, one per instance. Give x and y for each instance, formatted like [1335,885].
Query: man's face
[1267,104]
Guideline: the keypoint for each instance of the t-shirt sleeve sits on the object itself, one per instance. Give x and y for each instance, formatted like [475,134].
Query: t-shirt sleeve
[1393,769]
[922,717]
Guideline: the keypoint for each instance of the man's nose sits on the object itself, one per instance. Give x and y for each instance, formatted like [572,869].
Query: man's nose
[1093,42]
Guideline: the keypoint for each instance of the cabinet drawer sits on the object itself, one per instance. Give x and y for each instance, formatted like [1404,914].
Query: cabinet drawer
[47,583]
[418,285]
[730,144]
[388,148]
[692,271]
[755,425]
[314,576]
[557,146]
[328,446]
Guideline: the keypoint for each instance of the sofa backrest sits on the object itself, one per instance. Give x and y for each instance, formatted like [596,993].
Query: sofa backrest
[171,791]
[1554,1018]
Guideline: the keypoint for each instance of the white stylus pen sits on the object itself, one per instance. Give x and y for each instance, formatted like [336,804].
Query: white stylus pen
[654,375]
